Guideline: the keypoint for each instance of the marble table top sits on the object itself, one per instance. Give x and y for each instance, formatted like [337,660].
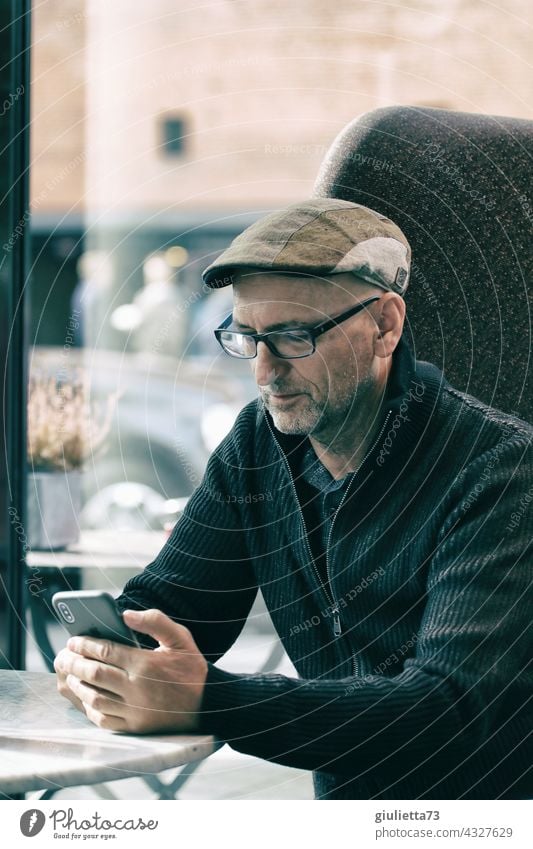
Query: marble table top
[102,550]
[46,743]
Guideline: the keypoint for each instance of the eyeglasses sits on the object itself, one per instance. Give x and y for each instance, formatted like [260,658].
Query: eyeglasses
[287,344]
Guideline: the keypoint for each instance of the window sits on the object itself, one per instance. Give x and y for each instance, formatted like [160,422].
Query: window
[173,142]
[160,133]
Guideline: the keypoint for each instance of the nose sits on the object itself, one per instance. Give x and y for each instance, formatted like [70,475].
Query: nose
[266,366]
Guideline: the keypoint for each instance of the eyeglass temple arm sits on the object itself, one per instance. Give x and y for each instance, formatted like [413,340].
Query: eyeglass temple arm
[332,322]
[227,321]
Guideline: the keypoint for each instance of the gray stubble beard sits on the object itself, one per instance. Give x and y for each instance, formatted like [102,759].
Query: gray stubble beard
[317,420]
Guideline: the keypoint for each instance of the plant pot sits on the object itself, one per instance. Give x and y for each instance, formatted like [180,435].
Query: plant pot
[54,503]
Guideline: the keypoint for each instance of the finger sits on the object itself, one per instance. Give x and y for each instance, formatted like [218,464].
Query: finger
[158,625]
[62,686]
[114,654]
[97,674]
[100,700]
[58,659]
[103,720]
[65,691]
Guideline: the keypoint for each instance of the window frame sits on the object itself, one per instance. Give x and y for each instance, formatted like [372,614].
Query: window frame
[15,40]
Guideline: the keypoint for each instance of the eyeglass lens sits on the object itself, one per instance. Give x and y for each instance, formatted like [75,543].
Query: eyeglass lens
[292,344]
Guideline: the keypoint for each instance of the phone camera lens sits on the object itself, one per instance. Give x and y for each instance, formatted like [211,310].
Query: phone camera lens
[65,611]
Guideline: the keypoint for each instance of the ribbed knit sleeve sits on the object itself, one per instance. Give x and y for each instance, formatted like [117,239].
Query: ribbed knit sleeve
[472,666]
[202,578]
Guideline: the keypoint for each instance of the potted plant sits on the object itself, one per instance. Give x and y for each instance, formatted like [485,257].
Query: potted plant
[65,428]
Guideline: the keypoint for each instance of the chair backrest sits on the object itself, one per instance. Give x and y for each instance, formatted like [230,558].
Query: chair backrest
[459,186]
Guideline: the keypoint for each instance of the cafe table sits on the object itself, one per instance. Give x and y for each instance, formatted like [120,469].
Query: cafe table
[47,745]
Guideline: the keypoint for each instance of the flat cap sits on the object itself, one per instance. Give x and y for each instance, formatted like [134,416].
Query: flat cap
[318,237]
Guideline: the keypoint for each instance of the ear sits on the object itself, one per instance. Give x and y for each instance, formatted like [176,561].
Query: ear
[389,324]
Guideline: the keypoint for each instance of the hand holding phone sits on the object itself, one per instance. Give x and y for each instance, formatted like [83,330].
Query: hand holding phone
[165,691]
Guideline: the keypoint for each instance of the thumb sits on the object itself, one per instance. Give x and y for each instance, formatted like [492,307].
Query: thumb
[158,625]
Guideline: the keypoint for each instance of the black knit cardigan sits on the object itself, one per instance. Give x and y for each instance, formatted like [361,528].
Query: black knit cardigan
[426,692]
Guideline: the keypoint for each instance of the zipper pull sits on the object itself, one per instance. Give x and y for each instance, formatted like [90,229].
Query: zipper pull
[336,622]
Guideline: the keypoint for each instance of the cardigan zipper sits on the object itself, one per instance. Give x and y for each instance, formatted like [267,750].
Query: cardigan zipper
[337,629]
[336,614]
[329,598]
[327,588]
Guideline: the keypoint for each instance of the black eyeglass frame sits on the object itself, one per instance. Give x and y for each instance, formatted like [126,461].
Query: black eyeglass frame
[312,332]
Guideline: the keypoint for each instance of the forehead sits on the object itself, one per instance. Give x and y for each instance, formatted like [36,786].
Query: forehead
[259,287]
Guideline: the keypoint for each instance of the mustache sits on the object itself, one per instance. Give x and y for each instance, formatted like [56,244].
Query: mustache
[280,390]
[277,387]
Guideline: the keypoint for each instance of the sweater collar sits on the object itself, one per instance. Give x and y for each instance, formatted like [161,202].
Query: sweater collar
[412,391]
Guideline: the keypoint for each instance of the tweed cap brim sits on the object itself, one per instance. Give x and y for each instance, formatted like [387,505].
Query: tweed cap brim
[320,236]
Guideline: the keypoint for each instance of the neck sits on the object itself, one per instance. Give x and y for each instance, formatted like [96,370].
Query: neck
[344,451]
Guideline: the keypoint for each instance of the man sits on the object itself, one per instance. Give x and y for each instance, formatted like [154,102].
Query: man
[372,503]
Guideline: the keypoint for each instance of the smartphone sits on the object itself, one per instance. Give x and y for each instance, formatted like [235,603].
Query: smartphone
[92,613]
